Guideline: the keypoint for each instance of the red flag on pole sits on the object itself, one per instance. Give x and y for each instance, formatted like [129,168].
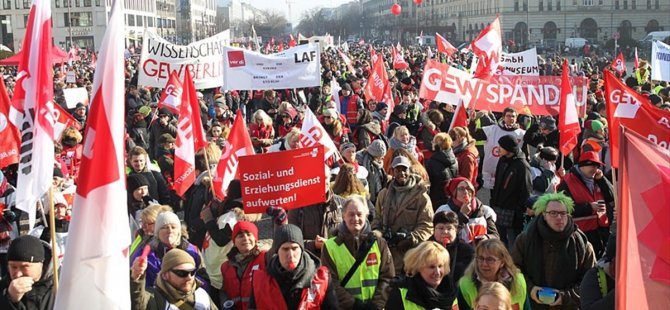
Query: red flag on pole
[398,59]
[568,122]
[628,108]
[10,139]
[460,118]
[619,64]
[281,47]
[443,46]
[291,42]
[96,267]
[172,94]
[63,119]
[374,88]
[388,99]
[488,47]
[643,258]
[347,61]
[238,144]
[190,137]
[34,93]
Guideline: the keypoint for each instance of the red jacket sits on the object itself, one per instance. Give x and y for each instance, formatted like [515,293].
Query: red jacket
[581,194]
[71,156]
[239,290]
[268,295]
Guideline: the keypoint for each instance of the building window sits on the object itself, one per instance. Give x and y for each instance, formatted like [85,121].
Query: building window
[7,4]
[76,3]
[558,5]
[87,3]
[66,3]
[131,20]
[634,5]
[25,21]
[656,6]
[97,2]
[26,4]
[150,21]
[540,6]
[625,4]
[587,2]
[648,4]
[525,5]
[79,19]
[616,4]
[140,20]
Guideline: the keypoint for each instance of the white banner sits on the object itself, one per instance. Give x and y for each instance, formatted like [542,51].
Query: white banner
[293,68]
[660,61]
[203,58]
[74,96]
[521,63]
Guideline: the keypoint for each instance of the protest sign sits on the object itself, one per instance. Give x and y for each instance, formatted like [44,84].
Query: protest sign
[526,94]
[203,58]
[293,68]
[288,179]
[75,95]
[70,77]
[521,63]
[660,61]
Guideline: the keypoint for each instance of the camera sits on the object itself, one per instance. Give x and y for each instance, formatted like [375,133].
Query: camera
[9,215]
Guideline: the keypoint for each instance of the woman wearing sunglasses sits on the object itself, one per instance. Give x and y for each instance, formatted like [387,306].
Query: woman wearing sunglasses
[176,285]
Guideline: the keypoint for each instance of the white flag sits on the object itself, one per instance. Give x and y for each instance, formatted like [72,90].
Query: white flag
[312,133]
[660,61]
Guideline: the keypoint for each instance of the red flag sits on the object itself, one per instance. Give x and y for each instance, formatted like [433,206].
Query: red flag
[443,46]
[388,99]
[63,119]
[281,47]
[636,62]
[347,61]
[172,94]
[93,60]
[34,92]
[292,43]
[10,139]
[238,144]
[568,122]
[460,118]
[96,267]
[398,59]
[374,88]
[190,138]
[635,112]
[272,42]
[619,64]
[488,47]
[643,258]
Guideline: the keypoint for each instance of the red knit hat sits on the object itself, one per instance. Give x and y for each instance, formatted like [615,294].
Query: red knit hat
[450,188]
[245,226]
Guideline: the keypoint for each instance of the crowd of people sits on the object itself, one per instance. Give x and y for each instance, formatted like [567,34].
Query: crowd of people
[417,215]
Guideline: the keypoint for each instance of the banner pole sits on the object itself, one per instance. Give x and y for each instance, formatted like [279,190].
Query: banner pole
[54,244]
[616,199]
[209,171]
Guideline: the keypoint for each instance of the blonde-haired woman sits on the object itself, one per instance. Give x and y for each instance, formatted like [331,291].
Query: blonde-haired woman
[261,131]
[492,263]
[426,284]
[493,296]
[401,139]
[465,149]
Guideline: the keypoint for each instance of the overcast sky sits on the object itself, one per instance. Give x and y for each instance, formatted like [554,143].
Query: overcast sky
[297,6]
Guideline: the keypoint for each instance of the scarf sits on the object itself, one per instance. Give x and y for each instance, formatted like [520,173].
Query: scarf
[409,146]
[567,240]
[398,194]
[589,182]
[419,292]
[461,147]
[178,298]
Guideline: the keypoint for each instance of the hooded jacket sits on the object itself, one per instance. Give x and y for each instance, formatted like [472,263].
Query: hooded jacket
[512,185]
[40,296]
[441,167]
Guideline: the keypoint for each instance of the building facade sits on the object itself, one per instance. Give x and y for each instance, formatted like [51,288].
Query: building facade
[523,22]
[196,20]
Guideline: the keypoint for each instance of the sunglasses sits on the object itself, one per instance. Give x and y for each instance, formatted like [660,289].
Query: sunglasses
[183,273]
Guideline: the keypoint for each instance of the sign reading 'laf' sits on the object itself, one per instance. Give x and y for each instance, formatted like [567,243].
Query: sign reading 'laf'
[288,179]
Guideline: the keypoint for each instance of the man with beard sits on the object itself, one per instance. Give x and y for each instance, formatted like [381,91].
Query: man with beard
[405,213]
[553,254]
[176,285]
[293,278]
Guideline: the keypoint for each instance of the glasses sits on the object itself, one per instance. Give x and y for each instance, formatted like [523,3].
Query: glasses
[488,260]
[464,189]
[327,117]
[183,273]
[556,214]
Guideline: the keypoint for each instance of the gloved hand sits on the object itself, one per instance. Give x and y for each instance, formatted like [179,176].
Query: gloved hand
[278,215]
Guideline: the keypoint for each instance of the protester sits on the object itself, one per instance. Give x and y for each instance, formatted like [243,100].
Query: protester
[493,264]
[493,296]
[405,195]
[367,131]
[464,147]
[163,125]
[597,290]
[401,140]
[543,171]
[176,285]
[372,158]
[72,150]
[553,254]
[358,259]
[348,152]
[290,141]
[442,167]
[430,127]
[30,281]
[290,274]
[138,159]
[446,233]
[200,193]
[426,285]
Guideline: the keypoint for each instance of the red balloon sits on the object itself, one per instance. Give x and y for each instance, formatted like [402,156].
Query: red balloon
[396,9]
[418,1]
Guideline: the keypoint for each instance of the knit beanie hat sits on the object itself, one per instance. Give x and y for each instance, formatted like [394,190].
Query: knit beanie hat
[596,125]
[288,233]
[174,258]
[453,184]
[380,106]
[548,122]
[165,218]
[377,148]
[508,143]
[136,181]
[245,226]
[26,249]
[549,153]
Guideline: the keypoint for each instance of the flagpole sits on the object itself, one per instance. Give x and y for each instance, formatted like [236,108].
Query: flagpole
[616,198]
[209,171]
[54,245]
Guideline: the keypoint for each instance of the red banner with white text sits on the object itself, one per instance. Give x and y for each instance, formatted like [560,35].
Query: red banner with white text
[288,179]
[536,95]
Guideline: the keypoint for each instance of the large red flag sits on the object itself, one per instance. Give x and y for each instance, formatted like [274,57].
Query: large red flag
[568,122]
[374,88]
[460,118]
[443,46]
[643,255]
[10,139]
[398,59]
[488,47]
[238,144]
[95,268]
[34,92]
[172,93]
[619,64]
[635,112]
[190,137]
